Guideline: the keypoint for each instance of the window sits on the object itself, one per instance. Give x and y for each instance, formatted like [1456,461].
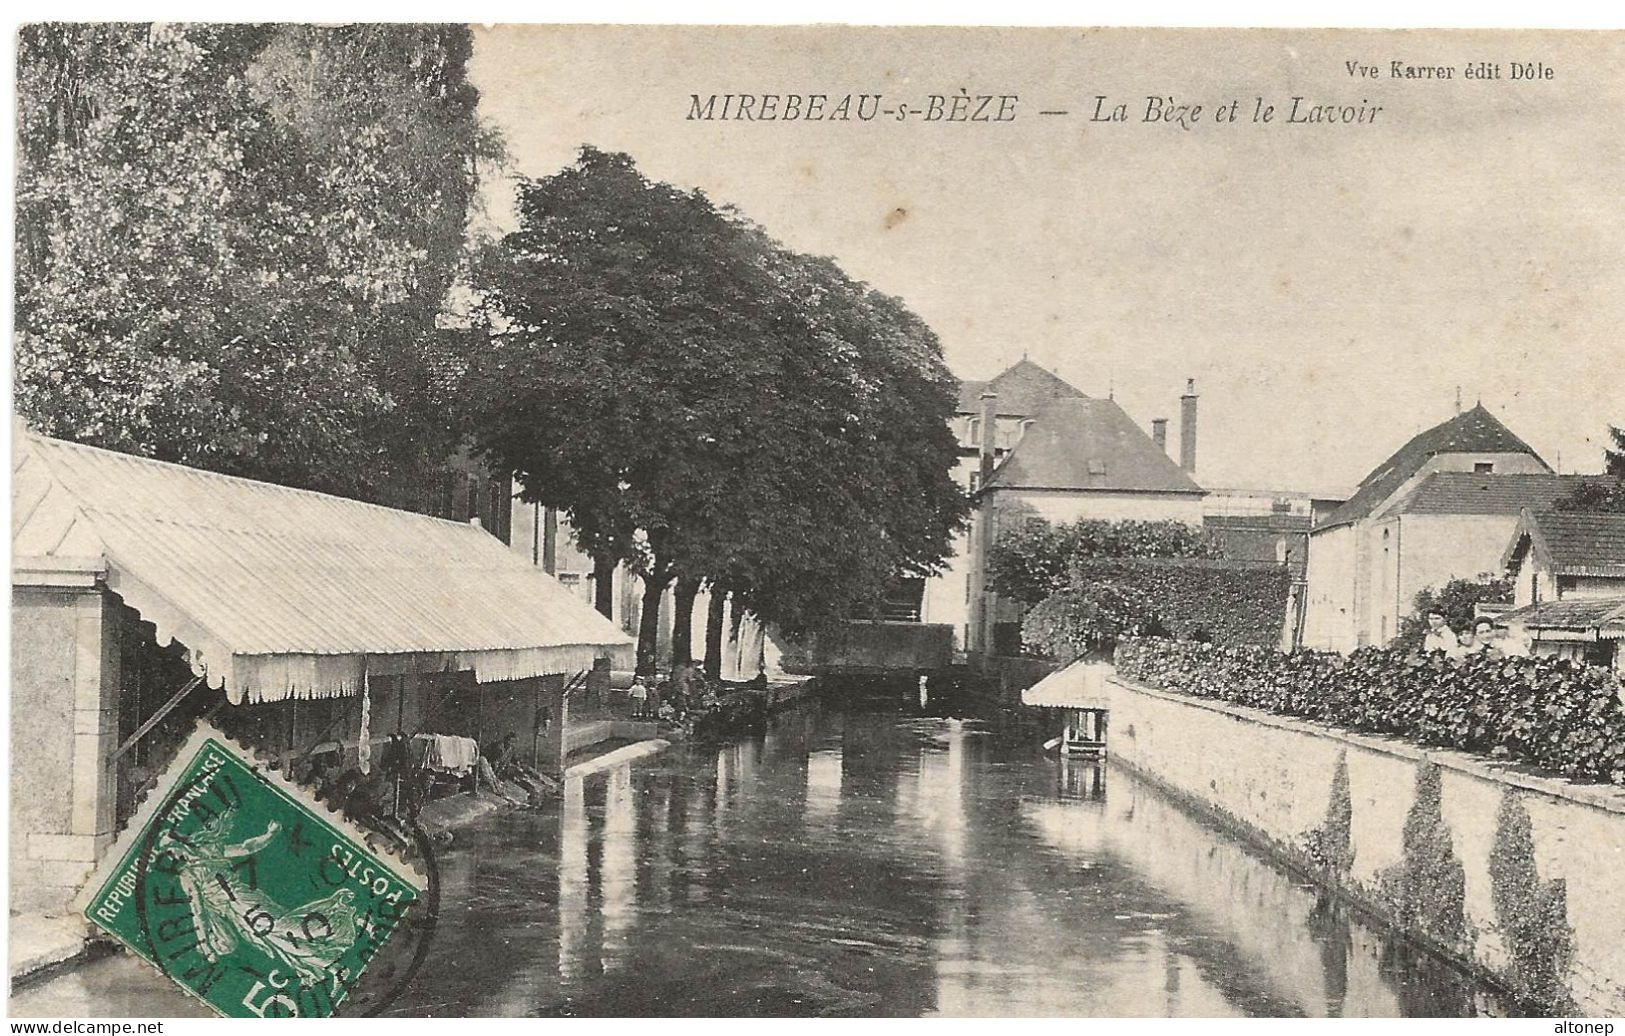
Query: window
[974,432]
[1097,466]
[1484,467]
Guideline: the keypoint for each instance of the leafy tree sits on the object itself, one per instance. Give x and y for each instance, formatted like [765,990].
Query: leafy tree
[234,241]
[1455,600]
[707,405]
[1615,454]
[1079,620]
[1034,558]
[1595,495]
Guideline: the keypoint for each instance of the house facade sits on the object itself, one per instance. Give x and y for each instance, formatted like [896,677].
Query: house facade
[1440,508]
[1055,454]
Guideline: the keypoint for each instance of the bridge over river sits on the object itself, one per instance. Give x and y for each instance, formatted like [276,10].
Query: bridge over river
[862,859]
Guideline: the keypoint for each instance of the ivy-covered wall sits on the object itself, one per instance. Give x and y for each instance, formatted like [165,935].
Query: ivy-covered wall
[1514,875]
[1567,718]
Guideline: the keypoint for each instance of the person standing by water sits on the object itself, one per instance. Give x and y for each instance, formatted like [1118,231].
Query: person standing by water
[639,693]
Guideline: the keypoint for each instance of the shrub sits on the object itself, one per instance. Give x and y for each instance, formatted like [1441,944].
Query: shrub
[1034,559]
[1077,620]
[1564,717]
[1226,602]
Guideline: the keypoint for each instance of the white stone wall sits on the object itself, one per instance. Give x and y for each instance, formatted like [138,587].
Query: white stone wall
[1329,615]
[1058,506]
[1273,776]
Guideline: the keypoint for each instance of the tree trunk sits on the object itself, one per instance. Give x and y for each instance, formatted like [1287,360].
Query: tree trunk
[682,631]
[603,585]
[654,588]
[713,632]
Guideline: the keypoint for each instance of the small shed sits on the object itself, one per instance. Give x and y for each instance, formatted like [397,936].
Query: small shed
[1582,629]
[1078,696]
[145,593]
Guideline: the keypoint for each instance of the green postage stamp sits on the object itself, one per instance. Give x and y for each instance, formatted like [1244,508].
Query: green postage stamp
[249,894]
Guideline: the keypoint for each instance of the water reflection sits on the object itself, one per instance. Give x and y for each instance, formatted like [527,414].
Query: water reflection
[878,864]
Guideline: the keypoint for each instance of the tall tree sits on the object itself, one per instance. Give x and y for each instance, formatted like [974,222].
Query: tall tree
[1614,453]
[743,416]
[234,241]
[625,317]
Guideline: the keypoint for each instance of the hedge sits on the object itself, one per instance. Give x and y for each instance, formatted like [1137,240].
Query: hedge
[1227,602]
[1558,715]
[1032,558]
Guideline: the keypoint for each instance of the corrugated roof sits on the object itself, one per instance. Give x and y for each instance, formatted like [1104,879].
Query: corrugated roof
[1475,431]
[1458,492]
[1023,390]
[1606,615]
[1082,443]
[280,592]
[1572,543]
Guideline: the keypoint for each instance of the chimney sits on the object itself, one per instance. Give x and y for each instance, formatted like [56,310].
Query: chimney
[1159,433]
[990,416]
[1187,427]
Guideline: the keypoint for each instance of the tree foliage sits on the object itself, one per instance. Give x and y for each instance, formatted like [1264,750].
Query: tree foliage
[234,241]
[1456,600]
[1595,495]
[1072,622]
[704,403]
[1032,559]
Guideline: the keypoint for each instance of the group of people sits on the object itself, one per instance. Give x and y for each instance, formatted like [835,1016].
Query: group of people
[1483,638]
[669,699]
[688,690]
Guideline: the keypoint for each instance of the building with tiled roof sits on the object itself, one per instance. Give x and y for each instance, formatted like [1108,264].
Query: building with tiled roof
[1082,445]
[1475,436]
[1577,553]
[1568,571]
[1463,492]
[1022,389]
[1057,454]
[1441,507]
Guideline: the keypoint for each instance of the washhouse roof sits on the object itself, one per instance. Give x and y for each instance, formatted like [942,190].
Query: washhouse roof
[279,592]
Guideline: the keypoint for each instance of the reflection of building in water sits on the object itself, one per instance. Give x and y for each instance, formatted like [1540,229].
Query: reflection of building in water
[618,872]
[934,798]
[574,898]
[736,768]
[598,877]
[1082,779]
[823,785]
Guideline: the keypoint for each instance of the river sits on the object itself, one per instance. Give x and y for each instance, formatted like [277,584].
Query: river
[868,861]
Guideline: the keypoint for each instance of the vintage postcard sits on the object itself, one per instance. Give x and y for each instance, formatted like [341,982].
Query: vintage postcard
[656,521]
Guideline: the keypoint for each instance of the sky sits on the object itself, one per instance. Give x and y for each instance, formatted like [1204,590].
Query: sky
[1329,287]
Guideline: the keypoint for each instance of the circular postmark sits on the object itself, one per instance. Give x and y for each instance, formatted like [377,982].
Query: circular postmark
[258,904]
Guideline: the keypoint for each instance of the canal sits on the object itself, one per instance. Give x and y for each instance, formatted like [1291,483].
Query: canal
[868,861]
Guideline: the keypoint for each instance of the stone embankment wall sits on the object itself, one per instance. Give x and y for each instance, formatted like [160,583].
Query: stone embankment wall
[1515,874]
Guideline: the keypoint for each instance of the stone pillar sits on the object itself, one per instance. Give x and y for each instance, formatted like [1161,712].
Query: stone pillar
[551,745]
[64,701]
[598,684]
